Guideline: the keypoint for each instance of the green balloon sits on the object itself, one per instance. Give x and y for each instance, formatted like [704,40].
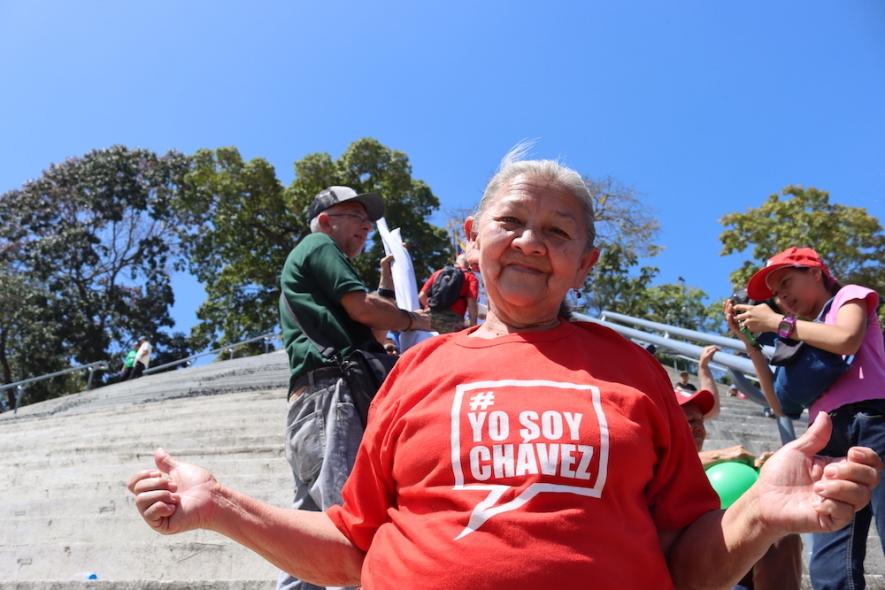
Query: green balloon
[731,479]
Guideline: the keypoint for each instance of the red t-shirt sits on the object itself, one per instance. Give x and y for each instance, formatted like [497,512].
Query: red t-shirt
[537,460]
[469,290]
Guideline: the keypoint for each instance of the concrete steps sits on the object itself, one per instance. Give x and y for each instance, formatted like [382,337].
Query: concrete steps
[197,556]
[66,462]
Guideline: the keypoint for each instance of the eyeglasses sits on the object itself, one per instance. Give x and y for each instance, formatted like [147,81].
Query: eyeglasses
[361,218]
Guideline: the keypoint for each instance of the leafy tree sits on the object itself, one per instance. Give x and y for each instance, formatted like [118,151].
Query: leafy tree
[170,348]
[613,286]
[29,341]
[677,305]
[850,240]
[625,231]
[248,223]
[368,166]
[622,218]
[240,229]
[95,233]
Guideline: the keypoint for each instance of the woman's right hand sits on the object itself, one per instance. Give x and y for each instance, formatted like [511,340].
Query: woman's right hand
[175,497]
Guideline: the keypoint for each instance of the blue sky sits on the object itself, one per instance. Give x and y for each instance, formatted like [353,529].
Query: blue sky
[704,108]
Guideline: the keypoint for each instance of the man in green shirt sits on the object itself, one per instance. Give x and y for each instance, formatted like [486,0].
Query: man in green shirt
[332,304]
[128,363]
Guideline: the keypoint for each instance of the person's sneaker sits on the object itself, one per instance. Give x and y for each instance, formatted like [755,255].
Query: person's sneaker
[768,413]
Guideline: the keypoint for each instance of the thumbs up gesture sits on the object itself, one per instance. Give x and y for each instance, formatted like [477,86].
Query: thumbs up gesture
[799,491]
[175,497]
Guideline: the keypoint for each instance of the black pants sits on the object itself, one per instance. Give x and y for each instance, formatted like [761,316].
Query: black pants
[137,370]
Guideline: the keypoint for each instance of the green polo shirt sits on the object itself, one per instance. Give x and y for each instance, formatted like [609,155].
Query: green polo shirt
[317,274]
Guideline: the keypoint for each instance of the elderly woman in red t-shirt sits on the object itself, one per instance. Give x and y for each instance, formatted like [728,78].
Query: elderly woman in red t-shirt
[527,452]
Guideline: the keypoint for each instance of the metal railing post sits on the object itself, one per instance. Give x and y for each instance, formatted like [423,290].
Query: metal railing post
[19,393]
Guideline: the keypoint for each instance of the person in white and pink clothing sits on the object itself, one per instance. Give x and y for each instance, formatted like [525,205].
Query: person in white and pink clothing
[803,286]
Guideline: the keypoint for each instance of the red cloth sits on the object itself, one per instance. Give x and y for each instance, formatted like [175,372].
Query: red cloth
[463,421]
[469,290]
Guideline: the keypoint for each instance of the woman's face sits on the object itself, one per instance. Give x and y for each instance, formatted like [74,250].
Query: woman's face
[531,247]
[797,291]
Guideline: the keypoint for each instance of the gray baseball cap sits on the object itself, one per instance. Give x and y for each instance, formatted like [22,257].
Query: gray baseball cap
[334,195]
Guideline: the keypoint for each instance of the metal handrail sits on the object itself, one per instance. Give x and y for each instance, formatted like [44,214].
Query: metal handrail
[696,361]
[228,347]
[91,367]
[723,358]
[19,386]
[723,341]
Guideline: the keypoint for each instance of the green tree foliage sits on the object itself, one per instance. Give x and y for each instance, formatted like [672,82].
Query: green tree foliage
[849,239]
[170,348]
[240,229]
[29,343]
[94,237]
[368,166]
[244,224]
[615,284]
[622,218]
[625,231]
[673,304]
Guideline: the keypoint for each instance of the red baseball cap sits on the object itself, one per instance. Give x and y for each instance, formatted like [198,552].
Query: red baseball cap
[703,398]
[796,257]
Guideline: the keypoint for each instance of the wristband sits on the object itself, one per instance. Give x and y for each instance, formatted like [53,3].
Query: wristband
[787,326]
[411,320]
[387,293]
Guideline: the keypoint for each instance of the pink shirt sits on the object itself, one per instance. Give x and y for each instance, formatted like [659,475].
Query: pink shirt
[866,377]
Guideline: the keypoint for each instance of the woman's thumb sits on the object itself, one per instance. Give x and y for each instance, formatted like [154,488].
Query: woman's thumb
[164,460]
[816,437]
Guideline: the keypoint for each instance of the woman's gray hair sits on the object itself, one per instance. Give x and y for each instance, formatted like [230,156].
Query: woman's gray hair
[513,165]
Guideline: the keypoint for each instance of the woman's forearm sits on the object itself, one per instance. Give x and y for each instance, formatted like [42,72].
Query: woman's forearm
[719,548]
[845,337]
[304,544]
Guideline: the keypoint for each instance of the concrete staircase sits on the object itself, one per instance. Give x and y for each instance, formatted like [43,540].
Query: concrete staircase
[65,511]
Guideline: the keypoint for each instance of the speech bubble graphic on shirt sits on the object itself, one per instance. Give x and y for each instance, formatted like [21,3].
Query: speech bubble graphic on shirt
[520,438]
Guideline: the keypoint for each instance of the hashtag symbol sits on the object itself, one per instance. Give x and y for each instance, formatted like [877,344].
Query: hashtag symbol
[482,401]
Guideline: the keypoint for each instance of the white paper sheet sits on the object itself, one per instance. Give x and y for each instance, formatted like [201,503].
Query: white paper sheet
[404,281]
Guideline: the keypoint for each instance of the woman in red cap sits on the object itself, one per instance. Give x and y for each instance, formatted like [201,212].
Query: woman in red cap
[803,287]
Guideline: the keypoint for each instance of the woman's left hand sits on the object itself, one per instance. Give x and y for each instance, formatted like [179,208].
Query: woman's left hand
[799,491]
[757,318]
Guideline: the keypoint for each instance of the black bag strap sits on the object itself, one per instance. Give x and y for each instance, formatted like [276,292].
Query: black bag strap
[825,310]
[327,352]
